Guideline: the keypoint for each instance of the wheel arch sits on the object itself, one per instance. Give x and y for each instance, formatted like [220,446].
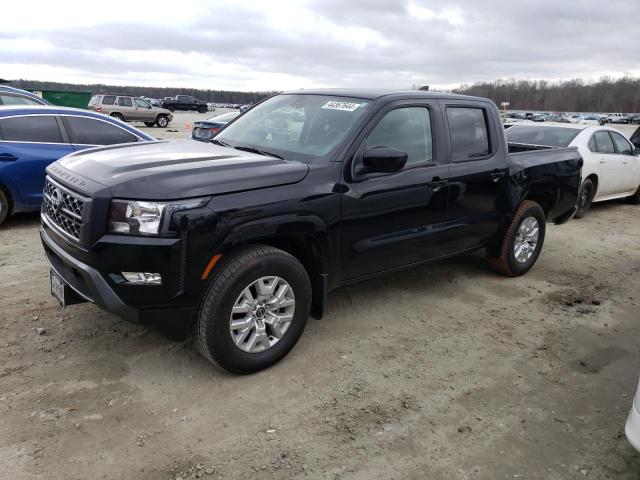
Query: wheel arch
[594,179]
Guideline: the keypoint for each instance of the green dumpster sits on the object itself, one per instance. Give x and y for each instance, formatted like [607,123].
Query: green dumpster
[66,99]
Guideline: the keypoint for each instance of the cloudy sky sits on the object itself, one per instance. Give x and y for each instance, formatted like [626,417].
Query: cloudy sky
[276,45]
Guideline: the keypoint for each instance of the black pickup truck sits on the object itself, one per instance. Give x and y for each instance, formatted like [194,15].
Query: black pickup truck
[186,103]
[242,238]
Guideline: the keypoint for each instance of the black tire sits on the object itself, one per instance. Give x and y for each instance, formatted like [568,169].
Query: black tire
[118,116]
[162,121]
[585,197]
[231,276]
[171,108]
[633,199]
[202,109]
[4,206]
[505,261]
[149,124]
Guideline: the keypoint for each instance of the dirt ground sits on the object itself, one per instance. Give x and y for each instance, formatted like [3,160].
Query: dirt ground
[442,372]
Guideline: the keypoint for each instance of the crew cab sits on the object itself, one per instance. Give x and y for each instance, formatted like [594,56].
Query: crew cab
[243,237]
[185,102]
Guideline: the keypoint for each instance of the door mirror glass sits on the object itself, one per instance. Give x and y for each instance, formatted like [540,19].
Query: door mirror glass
[636,152]
[383,160]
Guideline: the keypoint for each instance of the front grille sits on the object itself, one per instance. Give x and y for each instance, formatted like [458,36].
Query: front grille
[63,208]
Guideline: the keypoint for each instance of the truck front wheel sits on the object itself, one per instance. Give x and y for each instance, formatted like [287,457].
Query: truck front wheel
[202,109]
[254,309]
[522,242]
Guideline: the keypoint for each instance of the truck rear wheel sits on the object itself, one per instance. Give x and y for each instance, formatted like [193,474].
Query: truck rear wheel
[202,109]
[522,241]
[254,309]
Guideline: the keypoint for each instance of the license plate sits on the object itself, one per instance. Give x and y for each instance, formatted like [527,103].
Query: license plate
[57,287]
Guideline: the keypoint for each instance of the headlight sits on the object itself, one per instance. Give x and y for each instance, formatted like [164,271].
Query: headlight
[136,217]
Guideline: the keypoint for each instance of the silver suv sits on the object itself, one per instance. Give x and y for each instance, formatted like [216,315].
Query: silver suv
[130,109]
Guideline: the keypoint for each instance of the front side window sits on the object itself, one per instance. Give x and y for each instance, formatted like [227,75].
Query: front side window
[17,100]
[89,131]
[301,127]
[142,104]
[603,142]
[623,146]
[406,129]
[468,132]
[125,101]
[30,128]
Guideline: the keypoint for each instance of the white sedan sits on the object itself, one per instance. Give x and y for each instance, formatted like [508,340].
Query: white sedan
[632,428]
[611,164]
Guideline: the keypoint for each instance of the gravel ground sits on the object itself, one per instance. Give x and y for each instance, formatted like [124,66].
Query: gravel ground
[443,372]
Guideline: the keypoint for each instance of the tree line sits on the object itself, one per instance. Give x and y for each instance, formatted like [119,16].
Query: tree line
[213,96]
[603,95]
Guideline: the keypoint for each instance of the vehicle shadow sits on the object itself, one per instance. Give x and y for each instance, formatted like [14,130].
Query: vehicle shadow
[21,221]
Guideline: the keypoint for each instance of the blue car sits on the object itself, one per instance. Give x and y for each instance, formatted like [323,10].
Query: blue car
[32,137]
[15,96]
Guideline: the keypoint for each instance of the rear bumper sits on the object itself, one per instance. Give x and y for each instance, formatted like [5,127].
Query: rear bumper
[566,217]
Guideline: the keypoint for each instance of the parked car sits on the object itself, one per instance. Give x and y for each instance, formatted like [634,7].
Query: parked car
[185,102]
[32,137]
[248,233]
[591,120]
[632,428]
[130,109]
[635,138]
[635,118]
[205,130]
[611,169]
[15,96]
[616,118]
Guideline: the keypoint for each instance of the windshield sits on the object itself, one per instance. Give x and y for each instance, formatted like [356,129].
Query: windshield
[300,127]
[548,136]
[225,117]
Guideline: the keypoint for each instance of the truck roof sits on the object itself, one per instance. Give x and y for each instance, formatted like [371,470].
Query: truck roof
[374,94]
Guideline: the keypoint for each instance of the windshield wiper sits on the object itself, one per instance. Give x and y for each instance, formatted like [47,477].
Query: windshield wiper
[258,151]
[219,142]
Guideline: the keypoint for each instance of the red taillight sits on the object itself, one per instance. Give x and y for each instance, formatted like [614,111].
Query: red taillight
[97,108]
[214,130]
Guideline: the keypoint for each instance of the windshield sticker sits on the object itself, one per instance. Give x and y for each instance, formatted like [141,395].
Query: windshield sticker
[343,106]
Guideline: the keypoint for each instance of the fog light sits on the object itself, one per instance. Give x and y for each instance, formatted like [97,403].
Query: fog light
[142,278]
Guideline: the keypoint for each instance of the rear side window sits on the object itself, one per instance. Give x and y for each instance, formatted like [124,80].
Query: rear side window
[406,129]
[603,142]
[88,131]
[623,146]
[125,101]
[109,100]
[30,128]
[17,100]
[468,132]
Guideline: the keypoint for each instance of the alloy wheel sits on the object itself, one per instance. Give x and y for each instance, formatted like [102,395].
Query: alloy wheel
[526,239]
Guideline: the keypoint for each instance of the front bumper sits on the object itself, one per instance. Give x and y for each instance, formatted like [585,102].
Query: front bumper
[91,274]
[632,429]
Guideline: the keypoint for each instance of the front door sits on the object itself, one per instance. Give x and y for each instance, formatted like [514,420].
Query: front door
[611,165]
[390,220]
[631,163]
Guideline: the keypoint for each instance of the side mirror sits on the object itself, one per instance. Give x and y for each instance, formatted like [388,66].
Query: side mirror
[383,160]
[636,152]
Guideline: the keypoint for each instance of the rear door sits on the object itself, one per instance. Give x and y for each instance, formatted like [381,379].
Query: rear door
[125,106]
[85,132]
[478,174]
[390,220]
[28,144]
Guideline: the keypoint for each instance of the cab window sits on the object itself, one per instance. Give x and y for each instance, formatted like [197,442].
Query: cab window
[468,132]
[405,129]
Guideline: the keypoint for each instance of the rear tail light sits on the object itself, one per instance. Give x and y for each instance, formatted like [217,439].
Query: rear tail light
[214,130]
[97,108]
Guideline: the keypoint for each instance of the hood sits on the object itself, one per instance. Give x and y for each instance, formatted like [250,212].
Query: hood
[167,170]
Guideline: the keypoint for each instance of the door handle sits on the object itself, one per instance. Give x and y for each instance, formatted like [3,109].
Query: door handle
[7,157]
[496,176]
[436,183]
